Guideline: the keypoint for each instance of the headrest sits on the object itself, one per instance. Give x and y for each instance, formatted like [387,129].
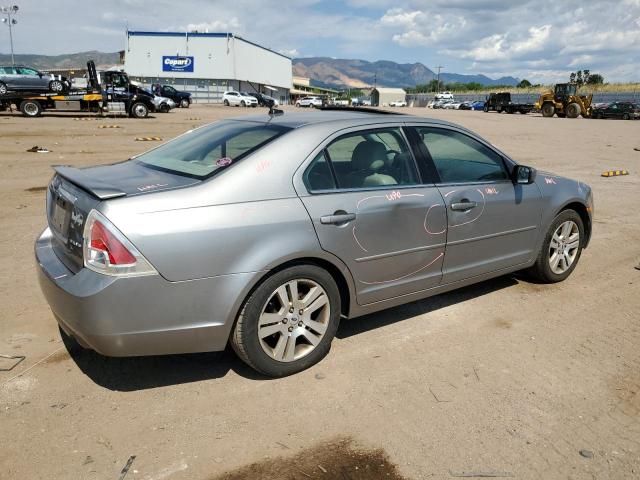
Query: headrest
[369,155]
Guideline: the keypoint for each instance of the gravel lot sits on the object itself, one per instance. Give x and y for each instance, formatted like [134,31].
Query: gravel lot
[503,378]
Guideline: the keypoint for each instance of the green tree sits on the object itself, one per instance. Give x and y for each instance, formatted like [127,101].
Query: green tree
[524,83]
[595,79]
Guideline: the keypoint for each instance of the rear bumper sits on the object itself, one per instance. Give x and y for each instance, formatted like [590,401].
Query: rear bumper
[138,315]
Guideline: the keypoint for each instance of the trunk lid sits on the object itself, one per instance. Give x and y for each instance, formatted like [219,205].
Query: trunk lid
[73,193]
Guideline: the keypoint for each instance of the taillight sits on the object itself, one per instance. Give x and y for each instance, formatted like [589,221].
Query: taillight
[108,251]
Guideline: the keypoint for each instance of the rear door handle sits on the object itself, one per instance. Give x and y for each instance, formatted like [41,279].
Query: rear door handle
[337,218]
[463,206]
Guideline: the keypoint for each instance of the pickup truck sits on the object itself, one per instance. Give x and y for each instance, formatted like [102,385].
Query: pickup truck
[501,102]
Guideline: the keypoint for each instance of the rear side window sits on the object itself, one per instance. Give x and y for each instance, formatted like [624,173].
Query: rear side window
[459,158]
[372,158]
[7,71]
[318,176]
[202,152]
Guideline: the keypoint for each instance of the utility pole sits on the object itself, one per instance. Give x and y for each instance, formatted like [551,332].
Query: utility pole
[439,67]
[7,13]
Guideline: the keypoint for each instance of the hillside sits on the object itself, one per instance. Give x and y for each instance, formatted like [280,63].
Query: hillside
[360,73]
[68,60]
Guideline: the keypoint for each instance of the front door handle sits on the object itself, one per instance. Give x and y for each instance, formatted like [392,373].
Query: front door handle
[463,206]
[338,218]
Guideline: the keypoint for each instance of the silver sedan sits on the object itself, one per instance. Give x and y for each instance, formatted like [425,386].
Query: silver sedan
[266,231]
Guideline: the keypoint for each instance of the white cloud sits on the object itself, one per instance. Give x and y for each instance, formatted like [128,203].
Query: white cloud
[232,25]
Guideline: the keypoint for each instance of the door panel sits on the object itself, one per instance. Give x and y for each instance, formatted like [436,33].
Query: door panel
[395,243]
[492,223]
[500,231]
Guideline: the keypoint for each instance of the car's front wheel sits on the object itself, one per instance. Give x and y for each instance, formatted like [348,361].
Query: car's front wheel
[184,103]
[561,249]
[226,102]
[3,89]
[289,321]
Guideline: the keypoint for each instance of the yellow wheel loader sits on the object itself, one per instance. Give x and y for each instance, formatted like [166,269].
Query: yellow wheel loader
[564,102]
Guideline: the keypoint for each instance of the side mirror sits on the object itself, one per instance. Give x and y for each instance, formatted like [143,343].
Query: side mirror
[524,175]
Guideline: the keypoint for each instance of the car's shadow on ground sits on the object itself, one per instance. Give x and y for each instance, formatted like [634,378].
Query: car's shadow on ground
[140,373]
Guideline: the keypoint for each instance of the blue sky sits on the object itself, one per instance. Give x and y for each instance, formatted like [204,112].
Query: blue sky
[541,40]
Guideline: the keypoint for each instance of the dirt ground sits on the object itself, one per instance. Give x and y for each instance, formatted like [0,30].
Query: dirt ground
[505,378]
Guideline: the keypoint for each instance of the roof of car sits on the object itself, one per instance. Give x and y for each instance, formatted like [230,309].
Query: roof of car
[317,116]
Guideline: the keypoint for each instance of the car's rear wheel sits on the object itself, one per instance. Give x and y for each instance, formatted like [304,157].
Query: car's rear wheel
[31,108]
[56,86]
[226,103]
[548,110]
[289,321]
[561,249]
[184,103]
[625,116]
[3,89]
[242,103]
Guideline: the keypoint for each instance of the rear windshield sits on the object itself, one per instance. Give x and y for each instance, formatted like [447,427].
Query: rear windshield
[201,153]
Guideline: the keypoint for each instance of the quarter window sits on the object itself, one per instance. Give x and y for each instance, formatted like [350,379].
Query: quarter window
[372,158]
[459,158]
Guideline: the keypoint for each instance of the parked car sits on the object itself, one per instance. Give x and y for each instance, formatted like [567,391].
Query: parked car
[622,110]
[465,106]
[182,99]
[313,102]
[263,99]
[21,78]
[444,96]
[398,103]
[265,231]
[238,99]
[163,104]
[451,105]
[477,105]
[431,103]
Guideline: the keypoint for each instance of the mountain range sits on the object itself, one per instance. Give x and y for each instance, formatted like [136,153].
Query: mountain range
[335,72]
[324,71]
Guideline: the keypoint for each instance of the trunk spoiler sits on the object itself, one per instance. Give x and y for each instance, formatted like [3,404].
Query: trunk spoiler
[95,187]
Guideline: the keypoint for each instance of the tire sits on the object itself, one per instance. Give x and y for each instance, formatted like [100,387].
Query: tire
[139,110]
[573,110]
[56,86]
[243,104]
[268,355]
[499,109]
[486,109]
[625,116]
[184,103]
[3,89]
[226,102]
[298,104]
[31,108]
[542,270]
[164,108]
[548,110]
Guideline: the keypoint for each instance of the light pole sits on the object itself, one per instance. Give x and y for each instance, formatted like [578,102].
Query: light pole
[438,85]
[7,13]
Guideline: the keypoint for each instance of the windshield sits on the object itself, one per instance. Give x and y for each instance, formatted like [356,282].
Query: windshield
[169,89]
[200,153]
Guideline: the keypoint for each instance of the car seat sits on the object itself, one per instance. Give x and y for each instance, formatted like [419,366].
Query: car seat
[368,159]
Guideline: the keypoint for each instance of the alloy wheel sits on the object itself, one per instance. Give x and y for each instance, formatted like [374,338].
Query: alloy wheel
[294,320]
[564,247]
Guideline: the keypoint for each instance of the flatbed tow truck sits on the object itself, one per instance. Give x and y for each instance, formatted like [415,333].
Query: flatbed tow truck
[109,92]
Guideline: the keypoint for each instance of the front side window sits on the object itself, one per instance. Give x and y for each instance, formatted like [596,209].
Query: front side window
[372,158]
[202,152]
[459,158]
[26,71]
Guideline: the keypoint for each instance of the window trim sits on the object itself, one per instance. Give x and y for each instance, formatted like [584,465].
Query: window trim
[507,164]
[352,132]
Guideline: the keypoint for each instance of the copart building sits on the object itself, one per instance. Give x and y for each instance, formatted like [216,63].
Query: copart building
[207,64]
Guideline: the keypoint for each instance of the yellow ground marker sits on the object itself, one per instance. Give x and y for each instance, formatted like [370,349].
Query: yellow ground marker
[614,173]
[148,139]
[109,126]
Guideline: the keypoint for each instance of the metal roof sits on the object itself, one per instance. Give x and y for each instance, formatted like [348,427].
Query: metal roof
[133,33]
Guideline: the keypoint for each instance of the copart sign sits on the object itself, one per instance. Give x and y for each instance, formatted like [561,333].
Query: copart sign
[177,64]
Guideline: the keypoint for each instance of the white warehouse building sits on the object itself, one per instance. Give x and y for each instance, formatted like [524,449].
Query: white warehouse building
[207,64]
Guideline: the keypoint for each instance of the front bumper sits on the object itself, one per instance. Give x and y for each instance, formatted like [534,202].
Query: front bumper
[133,316]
